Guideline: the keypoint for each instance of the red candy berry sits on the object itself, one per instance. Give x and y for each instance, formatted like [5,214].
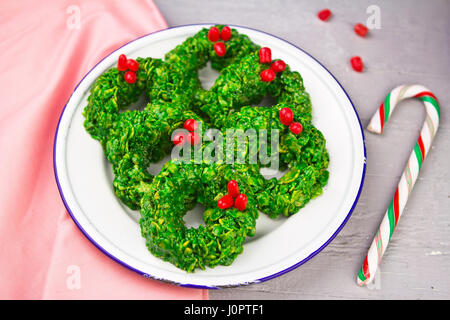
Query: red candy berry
[296,127]
[267,75]
[361,30]
[219,48]
[324,14]
[225,34]
[357,63]
[286,116]
[179,139]
[265,55]
[193,138]
[213,34]
[190,125]
[122,63]
[278,66]
[240,202]
[233,188]
[225,202]
[130,77]
[132,65]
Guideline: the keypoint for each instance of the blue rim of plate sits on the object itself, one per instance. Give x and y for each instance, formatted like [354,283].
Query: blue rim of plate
[275,275]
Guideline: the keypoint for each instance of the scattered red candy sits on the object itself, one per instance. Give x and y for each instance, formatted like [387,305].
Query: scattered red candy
[240,202]
[233,188]
[179,139]
[296,127]
[190,125]
[225,202]
[213,34]
[225,34]
[122,63]
[324,14]
[361,30]
[193,138]
[132,65]
[267,75]
[278,66]
[286,116]
[130,77]
[219,48]
[357,63]
[265,55]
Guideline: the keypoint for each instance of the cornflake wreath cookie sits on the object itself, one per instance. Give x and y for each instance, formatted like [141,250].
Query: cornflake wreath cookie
[233,194]
[177,189]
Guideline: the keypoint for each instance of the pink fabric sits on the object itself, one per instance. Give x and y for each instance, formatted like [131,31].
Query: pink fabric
[44,55]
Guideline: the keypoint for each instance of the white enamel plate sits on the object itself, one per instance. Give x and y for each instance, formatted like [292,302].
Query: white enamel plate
[85,178]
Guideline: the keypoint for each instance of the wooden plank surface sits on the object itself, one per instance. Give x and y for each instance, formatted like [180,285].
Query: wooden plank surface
[411,46]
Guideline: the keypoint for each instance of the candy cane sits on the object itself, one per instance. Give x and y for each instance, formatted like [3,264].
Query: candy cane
[410,173]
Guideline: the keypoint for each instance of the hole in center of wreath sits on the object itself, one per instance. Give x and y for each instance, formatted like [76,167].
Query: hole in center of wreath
[155,168]
[269,173]
[194,217]
[139,105]
[208,76]
[267,101]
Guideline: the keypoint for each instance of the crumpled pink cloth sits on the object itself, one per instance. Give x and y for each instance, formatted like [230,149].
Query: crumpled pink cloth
[46,48]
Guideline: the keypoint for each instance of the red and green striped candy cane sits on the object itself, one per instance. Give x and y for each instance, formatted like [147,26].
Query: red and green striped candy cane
[410,174]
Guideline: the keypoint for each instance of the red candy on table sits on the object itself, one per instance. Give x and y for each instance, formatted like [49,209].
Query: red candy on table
[240,202]
[324,14]
[296,127]
[233,188]
[225,34]
[357,63]
[361,30]
[213,34]
[179,139]
[122,63]
[132,65]
[219,48]
[278,66]
[225,202]
[190,125]
[130,77]
[265,55]
[267,75]
[286,116]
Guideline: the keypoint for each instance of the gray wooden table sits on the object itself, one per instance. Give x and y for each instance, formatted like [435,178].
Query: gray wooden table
[412,45]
